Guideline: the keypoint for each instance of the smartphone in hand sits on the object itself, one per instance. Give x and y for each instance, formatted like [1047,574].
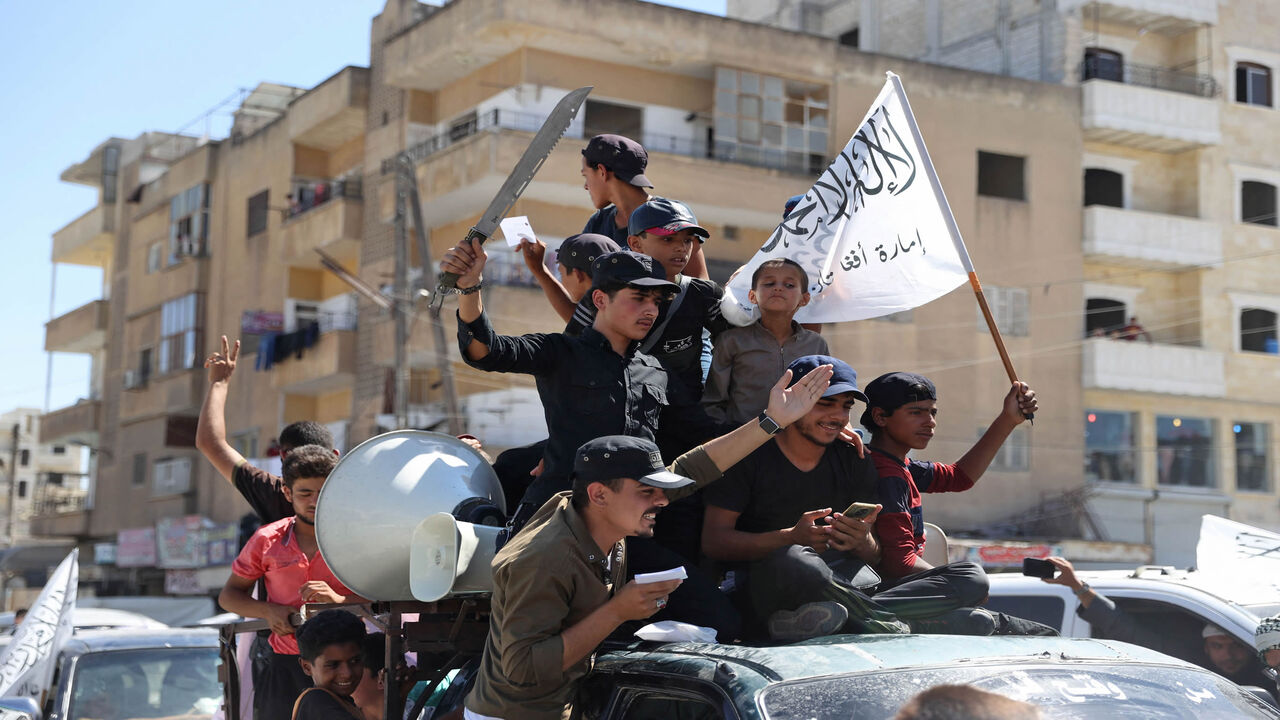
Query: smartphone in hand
[859,510]
[1035,567]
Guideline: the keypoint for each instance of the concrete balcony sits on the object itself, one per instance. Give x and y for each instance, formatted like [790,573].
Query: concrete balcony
[83,330]
[333,113]
[80,422]
[334,227]
[1170,17]
[1146,118]
[87,240]
[1133,237]
[61,511]
[327,366]
[1145,367]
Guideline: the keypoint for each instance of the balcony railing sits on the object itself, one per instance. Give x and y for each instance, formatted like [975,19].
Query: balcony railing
[308,196]
[497,119]
[60,499]
[1099,68]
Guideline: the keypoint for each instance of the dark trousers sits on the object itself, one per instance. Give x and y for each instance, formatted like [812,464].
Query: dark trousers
[792,576]
[698,600]
[281,683]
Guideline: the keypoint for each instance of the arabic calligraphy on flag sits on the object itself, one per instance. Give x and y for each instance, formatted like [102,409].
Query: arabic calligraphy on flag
[873,233]
[26,665]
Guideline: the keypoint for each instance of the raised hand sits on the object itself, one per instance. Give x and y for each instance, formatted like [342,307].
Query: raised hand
[788,404]
[222,365]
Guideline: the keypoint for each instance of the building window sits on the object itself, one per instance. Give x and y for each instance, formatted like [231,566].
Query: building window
[1001,176]
[179,333]
[59,449]
[139,469]
[1184,451]
[1102,64]
[1011,309]
[766,120]
[245,443]
[24,457]
[22,488]
[110,173]
[850,38]
[1013,455]
[155,256]
[1108,446]
[1253,84]
[257,214]
[1103,187]
[1102,315]
[171,477]
[1252,466]
[1258,203]
[603,118]
[189,223]
[1258,331]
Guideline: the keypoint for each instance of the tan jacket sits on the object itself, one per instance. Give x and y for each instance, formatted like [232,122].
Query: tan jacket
[548,578]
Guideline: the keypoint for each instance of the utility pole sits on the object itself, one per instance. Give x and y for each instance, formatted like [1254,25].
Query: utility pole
[400,310]
[13,481]
[407,193]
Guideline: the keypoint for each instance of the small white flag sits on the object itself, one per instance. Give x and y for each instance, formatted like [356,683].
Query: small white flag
[874,232]
[26,665]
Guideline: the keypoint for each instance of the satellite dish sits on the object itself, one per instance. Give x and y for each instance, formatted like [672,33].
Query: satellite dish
[409,504]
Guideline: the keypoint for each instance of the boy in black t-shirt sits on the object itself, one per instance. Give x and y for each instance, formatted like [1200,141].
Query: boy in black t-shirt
[800,562]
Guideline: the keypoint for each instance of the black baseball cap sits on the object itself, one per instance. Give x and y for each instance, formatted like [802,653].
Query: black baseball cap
[624,156]
[622,456]
[630,268]
[578,252]
[663,216]
[893,390]
[843,377]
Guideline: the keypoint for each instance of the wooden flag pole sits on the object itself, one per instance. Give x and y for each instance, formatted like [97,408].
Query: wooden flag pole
[961,250]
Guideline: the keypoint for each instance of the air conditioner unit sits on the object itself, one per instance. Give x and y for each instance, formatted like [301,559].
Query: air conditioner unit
[134,380]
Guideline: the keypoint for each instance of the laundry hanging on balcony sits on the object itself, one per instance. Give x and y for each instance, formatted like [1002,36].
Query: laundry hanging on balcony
[277,347]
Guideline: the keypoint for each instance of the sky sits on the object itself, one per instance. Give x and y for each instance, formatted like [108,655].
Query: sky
[81,71]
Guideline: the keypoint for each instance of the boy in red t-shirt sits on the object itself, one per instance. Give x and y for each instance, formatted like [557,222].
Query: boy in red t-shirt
[284,554]
[901,414]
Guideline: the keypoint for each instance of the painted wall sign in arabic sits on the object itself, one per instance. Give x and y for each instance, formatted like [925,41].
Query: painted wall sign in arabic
[872,232]
[136,547]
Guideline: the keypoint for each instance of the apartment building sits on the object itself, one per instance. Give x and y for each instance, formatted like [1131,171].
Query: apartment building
[200,238]
[1180,174]
[36,475]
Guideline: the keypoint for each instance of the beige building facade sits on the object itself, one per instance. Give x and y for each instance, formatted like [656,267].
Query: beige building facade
[198,239]
[1180,175]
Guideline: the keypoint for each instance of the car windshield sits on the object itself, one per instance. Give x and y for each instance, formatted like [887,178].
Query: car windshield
[152,683]
[1112,691]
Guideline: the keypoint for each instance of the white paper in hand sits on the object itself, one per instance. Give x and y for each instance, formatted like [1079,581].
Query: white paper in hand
[663,576]
[515,229]
[675,631]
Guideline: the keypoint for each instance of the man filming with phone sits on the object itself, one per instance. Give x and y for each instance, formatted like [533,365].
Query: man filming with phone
[1214,649]
[804,570]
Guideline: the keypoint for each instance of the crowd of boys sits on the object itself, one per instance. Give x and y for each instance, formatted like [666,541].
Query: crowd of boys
[674,440]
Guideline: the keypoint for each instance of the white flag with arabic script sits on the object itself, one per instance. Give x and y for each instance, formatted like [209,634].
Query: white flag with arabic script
[26,665]
[874,232]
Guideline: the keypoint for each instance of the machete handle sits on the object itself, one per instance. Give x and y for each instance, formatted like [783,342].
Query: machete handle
[447,280]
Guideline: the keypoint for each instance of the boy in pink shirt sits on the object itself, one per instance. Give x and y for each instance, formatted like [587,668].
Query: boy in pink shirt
[284,554]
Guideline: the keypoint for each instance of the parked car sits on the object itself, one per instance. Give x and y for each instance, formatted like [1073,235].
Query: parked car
[872,676]
[1179,602]
[85,618]
[133,674]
